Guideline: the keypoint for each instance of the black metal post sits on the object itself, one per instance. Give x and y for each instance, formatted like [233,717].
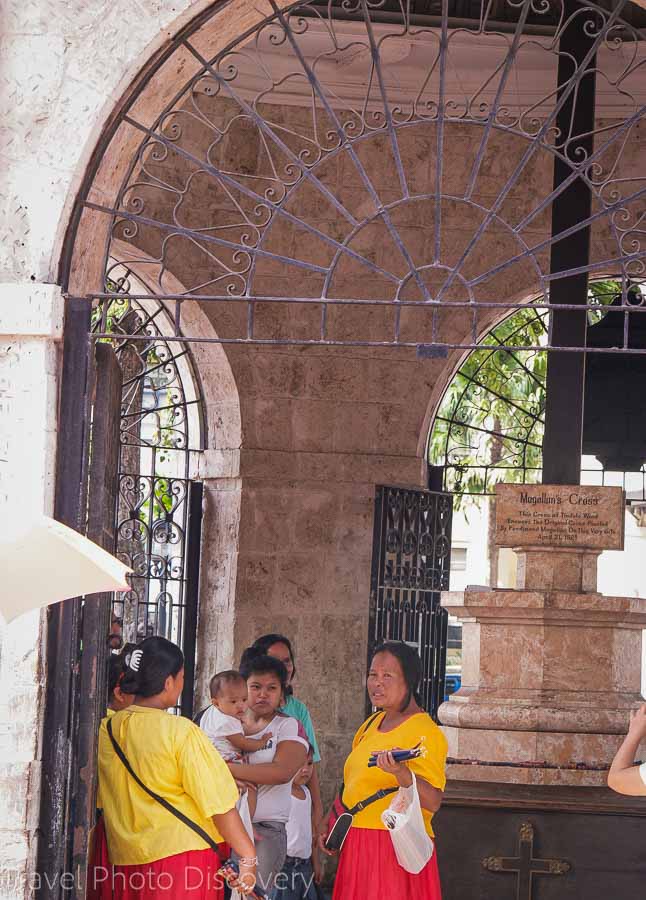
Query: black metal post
[566,371]
[63,619]
[194,530]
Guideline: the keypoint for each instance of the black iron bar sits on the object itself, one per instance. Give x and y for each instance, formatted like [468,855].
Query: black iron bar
[63,619]
[562,441]
[348,301]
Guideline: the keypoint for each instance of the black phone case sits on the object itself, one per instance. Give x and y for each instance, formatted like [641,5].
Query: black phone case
[336,837]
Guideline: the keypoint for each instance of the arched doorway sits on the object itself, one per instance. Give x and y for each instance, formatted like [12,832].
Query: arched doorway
[349,192]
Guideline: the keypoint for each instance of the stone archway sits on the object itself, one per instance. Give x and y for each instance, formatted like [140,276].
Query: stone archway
[348,194]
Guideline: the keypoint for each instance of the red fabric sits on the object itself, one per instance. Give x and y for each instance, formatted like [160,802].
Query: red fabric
[368,868]
[186,876]
[98,882]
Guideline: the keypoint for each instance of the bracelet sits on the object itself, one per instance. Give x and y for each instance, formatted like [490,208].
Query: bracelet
[248,860]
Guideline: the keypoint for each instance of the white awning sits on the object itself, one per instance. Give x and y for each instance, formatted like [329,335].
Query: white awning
[43,562]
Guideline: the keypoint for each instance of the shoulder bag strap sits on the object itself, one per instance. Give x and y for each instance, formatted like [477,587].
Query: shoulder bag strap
[367,724]
[197,718]
[378,795]
[169,806]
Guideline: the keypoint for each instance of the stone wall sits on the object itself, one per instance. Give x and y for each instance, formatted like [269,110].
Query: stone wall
[31,327]
[289,510]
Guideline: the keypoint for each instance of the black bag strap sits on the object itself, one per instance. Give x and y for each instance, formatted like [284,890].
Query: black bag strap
[169,806]
[371,799]
[197,718]
[378,795]
[368,723]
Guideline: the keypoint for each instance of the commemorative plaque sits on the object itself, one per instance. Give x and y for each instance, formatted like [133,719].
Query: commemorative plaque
[575,516]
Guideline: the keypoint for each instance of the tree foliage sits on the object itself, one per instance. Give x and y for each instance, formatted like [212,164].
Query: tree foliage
[489,425]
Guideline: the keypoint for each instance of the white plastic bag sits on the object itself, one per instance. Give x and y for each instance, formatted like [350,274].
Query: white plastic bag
[243,808]
[403,819]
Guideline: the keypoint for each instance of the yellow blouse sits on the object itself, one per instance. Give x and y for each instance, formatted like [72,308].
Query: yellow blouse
[361,782]
[174,758]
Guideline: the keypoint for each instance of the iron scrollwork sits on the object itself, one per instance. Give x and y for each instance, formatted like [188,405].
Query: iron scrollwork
[411,559]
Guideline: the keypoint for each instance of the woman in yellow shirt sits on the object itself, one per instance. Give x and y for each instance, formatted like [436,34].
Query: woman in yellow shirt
[153,853]
[368,866]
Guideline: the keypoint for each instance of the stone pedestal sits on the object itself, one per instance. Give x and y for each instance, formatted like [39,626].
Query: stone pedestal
[551,671]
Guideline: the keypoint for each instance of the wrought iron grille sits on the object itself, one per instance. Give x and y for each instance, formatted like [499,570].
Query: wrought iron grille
[152,533]
[489,426]
[410,566]
[297,168]
[158,514]
[490,423]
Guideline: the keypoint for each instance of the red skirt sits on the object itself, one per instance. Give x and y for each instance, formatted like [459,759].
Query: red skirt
[368,868]
[186,876]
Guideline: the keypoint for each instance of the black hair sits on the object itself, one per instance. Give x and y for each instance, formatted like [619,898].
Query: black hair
[149,665]
[411,664]
[230,676]
[255,662]
[117,667]
[265,641]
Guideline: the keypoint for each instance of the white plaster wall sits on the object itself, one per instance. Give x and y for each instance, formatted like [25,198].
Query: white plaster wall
[64,65]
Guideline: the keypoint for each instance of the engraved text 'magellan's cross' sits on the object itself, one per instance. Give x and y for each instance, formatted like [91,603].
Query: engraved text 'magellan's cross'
[525,865]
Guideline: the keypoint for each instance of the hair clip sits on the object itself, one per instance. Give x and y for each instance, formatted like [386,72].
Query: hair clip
[134,660]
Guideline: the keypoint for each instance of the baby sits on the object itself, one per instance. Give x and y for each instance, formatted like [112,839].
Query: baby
[223,722]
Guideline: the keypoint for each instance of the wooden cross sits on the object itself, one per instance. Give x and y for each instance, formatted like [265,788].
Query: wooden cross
[525,865]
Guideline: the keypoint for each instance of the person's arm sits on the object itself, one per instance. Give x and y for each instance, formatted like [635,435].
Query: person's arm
[317,804]
[290,757]
[229,825]
[316,856]
[248,744]
[430,797]
[624,776]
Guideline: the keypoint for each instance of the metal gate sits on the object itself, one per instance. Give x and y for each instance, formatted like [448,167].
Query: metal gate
[410,566]
[158,510]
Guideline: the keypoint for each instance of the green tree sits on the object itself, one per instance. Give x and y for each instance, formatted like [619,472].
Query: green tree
[489,426]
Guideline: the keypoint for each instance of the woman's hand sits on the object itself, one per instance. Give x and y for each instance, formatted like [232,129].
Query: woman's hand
[246,881]
[387,763]
[243,881]
[317,867]
[321,844]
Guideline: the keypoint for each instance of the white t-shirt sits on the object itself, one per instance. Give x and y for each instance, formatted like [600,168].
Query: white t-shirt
[217,726]
[299,827]
[275,800]
[642,772]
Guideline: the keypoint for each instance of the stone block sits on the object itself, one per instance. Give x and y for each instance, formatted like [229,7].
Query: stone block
[302,582]
[313,425]
[265,524]
[354,427]
[267,423]
[568,571]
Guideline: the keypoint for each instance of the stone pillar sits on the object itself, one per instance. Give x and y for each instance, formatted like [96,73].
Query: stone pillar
[31,327]
[220,472]
[551,671]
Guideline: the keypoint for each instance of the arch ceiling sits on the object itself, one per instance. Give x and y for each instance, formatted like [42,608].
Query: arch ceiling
[380,172]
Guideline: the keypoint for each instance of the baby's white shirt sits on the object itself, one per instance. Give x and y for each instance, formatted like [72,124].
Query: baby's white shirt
[218,727]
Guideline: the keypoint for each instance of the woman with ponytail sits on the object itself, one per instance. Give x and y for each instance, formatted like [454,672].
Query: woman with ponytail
[368,866]
[143,751]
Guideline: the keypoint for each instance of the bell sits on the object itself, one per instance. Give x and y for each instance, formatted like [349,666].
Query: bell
[614,427]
